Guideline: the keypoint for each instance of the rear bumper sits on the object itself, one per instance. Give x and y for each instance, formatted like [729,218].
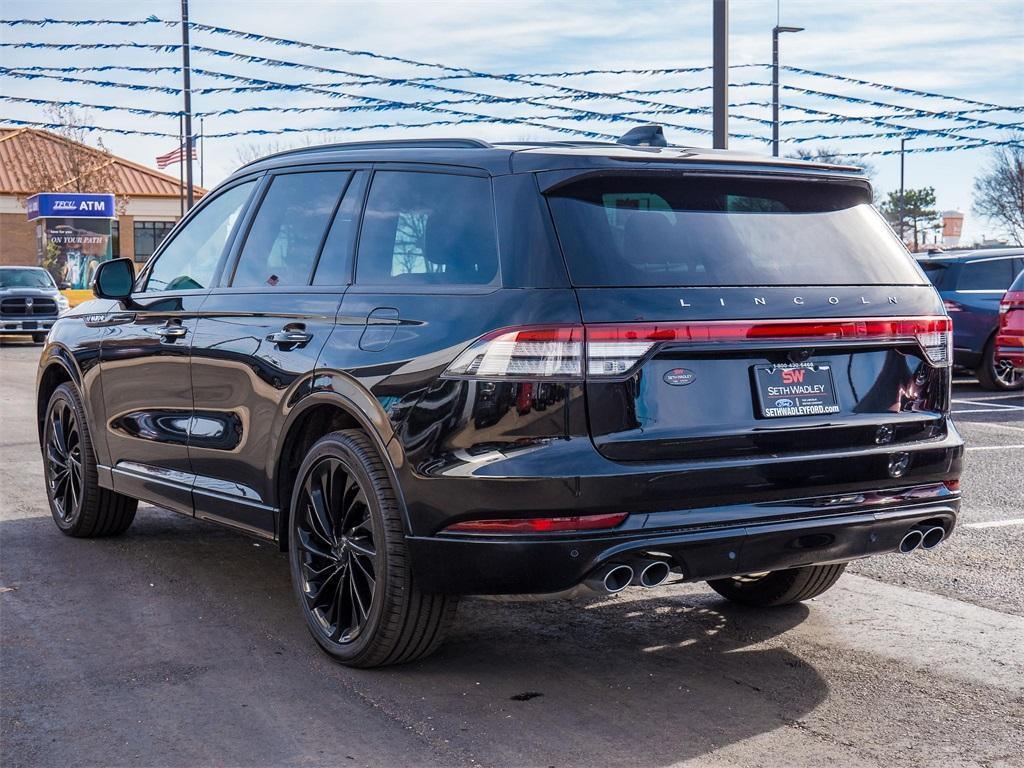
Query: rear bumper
[748,539]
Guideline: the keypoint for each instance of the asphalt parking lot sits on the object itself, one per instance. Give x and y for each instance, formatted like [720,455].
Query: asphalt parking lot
[179,644]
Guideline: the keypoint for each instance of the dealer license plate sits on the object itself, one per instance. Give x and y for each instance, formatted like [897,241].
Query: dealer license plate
[802,389]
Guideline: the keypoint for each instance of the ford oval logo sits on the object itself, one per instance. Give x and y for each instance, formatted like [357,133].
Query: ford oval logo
[679,377]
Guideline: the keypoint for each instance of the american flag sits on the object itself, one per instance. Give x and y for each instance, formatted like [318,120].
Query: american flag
[176,156]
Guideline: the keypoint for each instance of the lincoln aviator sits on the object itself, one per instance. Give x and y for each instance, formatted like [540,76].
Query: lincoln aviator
[433,368]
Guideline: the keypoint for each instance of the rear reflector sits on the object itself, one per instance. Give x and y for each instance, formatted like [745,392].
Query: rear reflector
[539,524]
[615,350]
[952,485]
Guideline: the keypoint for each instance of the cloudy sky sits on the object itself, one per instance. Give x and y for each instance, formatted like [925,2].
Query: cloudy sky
[969,49]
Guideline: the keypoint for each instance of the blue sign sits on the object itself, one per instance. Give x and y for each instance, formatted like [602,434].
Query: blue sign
[79,205]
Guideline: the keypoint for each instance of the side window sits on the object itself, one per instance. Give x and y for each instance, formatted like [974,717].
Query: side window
[994,275]
[190,259]
[285,236]
[427,229]
[335,264]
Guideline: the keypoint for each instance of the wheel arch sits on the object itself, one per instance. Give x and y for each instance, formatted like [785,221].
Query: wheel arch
[317,414]
[58,368]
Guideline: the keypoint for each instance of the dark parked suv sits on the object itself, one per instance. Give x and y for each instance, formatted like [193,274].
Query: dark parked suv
[433,368]
[971,285]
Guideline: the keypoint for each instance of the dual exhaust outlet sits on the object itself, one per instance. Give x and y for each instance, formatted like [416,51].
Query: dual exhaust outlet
[638,571]
[923,536]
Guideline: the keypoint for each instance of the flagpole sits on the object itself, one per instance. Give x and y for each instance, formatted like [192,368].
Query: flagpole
[181,168]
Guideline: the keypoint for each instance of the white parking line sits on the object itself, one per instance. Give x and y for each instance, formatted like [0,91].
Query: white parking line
[986,398]
[995,523]
[990,404]
[982,424]
[985,410]
[994,447]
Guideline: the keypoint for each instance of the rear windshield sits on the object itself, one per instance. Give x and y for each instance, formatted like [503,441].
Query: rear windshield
[1018,284]
[675,230]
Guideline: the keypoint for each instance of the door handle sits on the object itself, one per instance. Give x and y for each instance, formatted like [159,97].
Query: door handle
[293,334]
[172,331]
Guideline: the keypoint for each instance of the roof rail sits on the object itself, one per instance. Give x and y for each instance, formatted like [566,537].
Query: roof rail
[382,143]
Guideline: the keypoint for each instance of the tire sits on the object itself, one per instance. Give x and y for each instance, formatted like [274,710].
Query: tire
[349,562]
[1000,377]
[80,507]
[779,587]
[38,338]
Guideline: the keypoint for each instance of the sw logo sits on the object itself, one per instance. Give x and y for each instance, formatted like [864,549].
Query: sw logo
[793,376]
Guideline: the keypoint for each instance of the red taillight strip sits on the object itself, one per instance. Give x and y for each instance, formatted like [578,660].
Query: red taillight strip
[539,524]
[874,329]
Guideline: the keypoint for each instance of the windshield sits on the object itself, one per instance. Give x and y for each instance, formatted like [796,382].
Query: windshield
[25,278]
[675,230]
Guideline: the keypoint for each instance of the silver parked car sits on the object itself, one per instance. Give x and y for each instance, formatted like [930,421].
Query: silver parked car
[30,302]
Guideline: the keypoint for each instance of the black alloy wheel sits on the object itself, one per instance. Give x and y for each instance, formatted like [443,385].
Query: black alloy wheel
[349,559]
[64,461]
[337,550]
[80,506]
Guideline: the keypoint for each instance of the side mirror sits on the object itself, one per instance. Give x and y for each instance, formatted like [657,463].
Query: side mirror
[64,286]
[114,280]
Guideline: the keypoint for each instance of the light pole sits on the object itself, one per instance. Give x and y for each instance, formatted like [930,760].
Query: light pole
[720,74]
[776,31]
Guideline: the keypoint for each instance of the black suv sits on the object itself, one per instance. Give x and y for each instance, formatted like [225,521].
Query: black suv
[443,367]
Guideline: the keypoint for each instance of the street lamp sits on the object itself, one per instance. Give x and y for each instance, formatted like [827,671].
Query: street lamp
[776,31]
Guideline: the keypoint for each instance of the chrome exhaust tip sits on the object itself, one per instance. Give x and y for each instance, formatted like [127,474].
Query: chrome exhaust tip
[649,572]
[911,541]
[933,537]
[610,578]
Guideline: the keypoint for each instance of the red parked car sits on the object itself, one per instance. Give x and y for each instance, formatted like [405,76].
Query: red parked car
[1010,337]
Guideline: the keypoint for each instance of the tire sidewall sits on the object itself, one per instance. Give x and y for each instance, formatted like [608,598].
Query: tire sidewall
[64,394]
[337,447]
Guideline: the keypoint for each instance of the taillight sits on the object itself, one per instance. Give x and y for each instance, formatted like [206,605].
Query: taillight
[613,349]
[556,351]
[616,350]
[539,524]
[952,306]
[1011,300]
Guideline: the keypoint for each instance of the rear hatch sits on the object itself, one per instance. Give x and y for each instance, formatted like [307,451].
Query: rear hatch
[729,316]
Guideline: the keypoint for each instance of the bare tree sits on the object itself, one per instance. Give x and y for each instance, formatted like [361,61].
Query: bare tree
[999,191]
[252,151]
[70,165]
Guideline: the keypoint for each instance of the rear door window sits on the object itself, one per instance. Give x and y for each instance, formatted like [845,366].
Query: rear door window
[427,229]
[679,230]
[990,275]
[289,228]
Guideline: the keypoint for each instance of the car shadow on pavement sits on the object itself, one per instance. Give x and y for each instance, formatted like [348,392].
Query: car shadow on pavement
[180,643]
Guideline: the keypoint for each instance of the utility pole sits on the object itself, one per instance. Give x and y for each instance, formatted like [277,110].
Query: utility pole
[181,181]
[775,83]
[720,103]
[903,148]
[186,71]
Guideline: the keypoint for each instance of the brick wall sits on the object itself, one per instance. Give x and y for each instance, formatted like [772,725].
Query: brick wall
[127,244]
[17,241]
